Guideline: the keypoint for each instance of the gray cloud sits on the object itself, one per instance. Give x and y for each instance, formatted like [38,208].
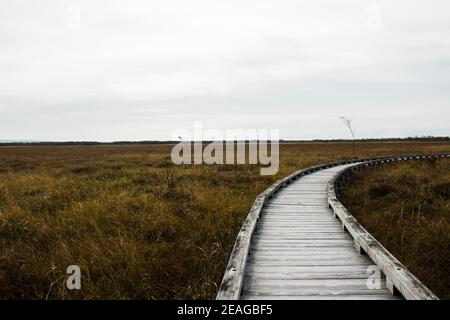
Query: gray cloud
[141,69]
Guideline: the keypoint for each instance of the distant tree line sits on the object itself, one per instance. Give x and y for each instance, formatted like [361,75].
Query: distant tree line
[416,138]
[84,143]
[153,142]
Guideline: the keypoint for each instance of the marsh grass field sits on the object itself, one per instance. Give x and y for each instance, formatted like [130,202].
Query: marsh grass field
[406,206]
[138,226]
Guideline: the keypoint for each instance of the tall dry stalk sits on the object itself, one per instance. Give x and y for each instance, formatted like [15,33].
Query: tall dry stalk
[348,124]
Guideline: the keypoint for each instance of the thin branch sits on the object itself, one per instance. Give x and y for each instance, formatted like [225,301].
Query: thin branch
[348,124]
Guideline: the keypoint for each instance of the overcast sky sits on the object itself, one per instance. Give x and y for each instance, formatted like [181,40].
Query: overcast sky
[133,70]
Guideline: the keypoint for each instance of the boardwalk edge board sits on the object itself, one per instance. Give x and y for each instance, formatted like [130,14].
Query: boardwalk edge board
[398,277]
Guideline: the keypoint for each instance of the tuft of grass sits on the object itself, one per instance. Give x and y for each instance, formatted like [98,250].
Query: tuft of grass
[138,226]
[406,206]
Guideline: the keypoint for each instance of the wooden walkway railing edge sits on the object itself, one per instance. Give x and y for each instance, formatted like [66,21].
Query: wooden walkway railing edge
[232,283]
[398,277]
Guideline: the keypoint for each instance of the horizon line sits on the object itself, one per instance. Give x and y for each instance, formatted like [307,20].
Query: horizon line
[95,142]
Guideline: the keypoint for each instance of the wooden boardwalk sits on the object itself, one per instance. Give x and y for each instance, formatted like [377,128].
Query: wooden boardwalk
[300,251]
[300,242]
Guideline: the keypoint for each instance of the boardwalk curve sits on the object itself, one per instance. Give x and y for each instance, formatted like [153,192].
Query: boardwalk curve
[299,242]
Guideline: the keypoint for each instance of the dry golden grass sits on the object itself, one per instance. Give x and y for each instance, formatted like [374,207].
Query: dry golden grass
[139,227]
[406,206]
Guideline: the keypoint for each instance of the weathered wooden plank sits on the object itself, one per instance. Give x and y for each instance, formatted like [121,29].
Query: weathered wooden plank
[290,221]
[305,250]
[386,296]
[309,221]
[314,259]
[298,203]
[306,275]
[292,212]
[317,291]
[262,235]
[299,231]
[306,192]
[304,228]
[298,218]
[300,234]
[296,207]
[332,227]
[281,209]
[289,284]
[293,223]
[287,224]
[274,254]
[303,245]
[300,259]
[315,196]
[310,262]
[303,218]
[281,242]
[256,269]
[305,189]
